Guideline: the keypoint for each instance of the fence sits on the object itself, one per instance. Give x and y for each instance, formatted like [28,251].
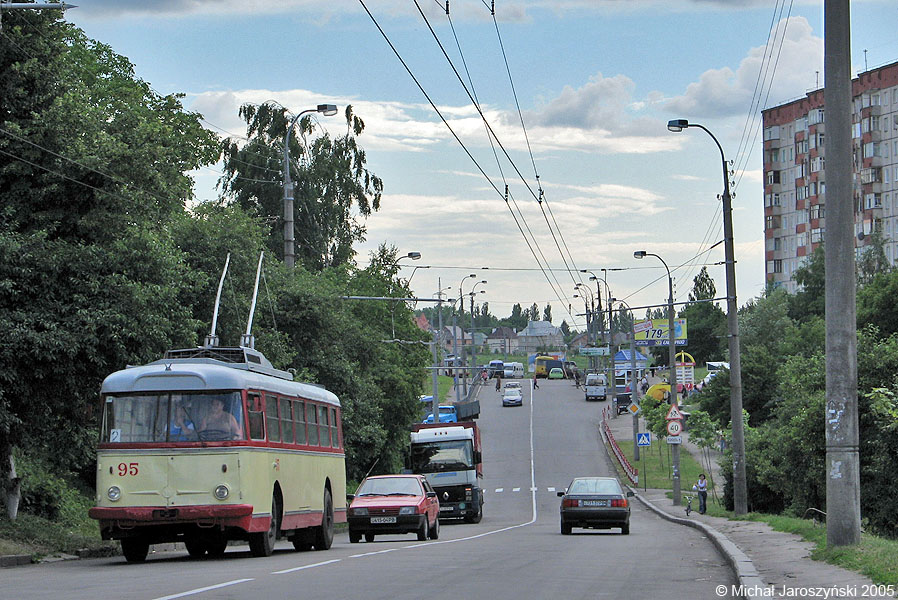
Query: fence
[632,473]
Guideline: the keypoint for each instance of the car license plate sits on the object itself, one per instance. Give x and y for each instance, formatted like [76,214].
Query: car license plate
[593,503]
[445,509]
[383,519]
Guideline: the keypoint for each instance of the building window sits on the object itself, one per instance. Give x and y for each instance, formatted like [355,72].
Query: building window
[816,235]
[818,211]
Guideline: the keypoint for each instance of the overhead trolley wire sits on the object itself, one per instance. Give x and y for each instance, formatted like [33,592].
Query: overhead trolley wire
[472,95]
[541,197]
[767,96]
[457,139]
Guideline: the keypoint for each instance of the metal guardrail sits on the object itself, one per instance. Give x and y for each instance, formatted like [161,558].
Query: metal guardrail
[632,472]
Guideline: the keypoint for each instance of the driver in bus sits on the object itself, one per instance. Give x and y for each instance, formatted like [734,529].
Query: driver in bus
[217,419]
[181,427]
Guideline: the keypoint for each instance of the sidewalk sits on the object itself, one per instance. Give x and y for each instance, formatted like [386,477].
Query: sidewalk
[761,557]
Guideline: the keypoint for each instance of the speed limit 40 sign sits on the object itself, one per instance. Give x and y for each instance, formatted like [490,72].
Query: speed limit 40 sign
[674,427]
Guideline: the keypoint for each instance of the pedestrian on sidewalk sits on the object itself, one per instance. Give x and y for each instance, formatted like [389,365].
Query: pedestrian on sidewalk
[702,488]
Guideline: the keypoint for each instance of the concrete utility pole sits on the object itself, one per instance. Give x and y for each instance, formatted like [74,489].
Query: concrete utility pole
[289,241]
[843,501]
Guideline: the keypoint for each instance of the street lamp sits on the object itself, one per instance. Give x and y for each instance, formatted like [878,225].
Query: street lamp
[461,303]
[609,371]
[671,340]
[327,110]
[740,486]
[472,293]
[633,378]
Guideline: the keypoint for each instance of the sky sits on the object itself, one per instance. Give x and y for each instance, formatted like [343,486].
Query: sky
[594,83]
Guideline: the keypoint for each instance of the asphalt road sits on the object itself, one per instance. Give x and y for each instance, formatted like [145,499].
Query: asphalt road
[515,552]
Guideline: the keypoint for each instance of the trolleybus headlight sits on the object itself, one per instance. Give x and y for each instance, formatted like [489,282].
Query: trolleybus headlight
[222,492]
[114,493]
[407,510]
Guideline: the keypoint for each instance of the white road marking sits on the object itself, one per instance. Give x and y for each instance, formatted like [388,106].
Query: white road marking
[327,562]
[516,490]
[373,553]
[500,490]
[204,589]
[551,489]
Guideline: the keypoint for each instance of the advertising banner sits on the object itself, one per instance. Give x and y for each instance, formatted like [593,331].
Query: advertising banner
[654,332]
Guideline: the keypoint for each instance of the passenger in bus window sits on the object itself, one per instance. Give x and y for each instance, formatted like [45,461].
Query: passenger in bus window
[181,427]
[218,420]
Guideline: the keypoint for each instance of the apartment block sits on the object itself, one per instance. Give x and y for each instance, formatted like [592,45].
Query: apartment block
[795,173]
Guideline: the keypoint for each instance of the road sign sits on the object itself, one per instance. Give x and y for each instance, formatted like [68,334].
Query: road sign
[674,428]
[588,351]
[674,439]
[633,408]
[674,413]
[644,439]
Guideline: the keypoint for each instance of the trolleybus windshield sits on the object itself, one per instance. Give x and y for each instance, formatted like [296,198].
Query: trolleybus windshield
[164,417]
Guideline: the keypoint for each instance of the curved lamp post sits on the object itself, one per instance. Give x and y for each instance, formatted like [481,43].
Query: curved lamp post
[472,293]
[671,340]
[327,110]
[633,381]
[740,486]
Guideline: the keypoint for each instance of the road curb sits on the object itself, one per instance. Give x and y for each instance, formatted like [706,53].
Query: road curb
[15,560]
[746,574]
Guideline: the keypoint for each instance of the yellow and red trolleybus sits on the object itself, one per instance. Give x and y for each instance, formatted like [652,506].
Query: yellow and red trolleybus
[214,444]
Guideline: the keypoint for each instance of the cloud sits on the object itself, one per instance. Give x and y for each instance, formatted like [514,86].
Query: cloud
[724,92]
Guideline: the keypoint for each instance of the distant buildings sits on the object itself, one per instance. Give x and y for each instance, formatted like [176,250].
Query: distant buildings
[540,335]
[795,173]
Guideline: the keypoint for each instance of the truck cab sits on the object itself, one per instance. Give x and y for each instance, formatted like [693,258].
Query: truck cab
[448,455]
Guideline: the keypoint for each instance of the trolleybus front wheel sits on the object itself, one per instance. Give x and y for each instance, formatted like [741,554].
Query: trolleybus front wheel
[135,549]
[262,542]
[324,537]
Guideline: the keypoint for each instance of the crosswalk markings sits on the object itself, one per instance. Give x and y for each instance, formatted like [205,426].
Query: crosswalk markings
[517,489]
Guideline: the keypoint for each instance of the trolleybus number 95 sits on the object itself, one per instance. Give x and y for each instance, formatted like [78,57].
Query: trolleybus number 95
[127,469]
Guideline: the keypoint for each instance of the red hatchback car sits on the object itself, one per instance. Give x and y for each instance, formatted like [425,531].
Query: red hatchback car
[393,504]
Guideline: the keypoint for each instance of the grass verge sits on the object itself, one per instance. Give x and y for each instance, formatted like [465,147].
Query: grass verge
[40,537]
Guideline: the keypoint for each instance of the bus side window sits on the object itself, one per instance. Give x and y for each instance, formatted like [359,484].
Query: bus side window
[335,441]
[286,421]
[299,412]
[271,418]
[322,423]
[256,417]
[312,420]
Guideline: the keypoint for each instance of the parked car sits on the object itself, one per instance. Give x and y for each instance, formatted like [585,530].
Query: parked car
[514,370]
[393,504]
[512,397]
[595,503]
[556,373]
[448,414]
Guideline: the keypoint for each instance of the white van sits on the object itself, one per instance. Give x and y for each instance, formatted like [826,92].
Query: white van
[514,370]
[596,386]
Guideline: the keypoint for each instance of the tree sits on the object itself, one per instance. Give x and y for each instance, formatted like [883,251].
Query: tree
[809,301]
[872,260]
[518,318]
[533,315]
[876,301]
[331,179]
[706,321]
[94,283]
[547,313]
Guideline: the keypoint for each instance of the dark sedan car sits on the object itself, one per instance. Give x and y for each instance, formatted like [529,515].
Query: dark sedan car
[595,503]
[393,504]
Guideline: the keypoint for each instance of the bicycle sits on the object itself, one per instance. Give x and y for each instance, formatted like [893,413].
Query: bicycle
[689,504]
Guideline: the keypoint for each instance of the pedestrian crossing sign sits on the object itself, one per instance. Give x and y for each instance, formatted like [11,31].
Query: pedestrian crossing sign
[644,439]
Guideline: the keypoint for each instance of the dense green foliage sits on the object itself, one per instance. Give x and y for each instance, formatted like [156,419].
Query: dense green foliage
[784,385]
[104,263]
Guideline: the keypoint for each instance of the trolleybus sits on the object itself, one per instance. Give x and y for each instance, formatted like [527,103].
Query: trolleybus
[214,444]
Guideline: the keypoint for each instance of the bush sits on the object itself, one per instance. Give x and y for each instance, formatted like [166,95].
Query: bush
[51,496]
